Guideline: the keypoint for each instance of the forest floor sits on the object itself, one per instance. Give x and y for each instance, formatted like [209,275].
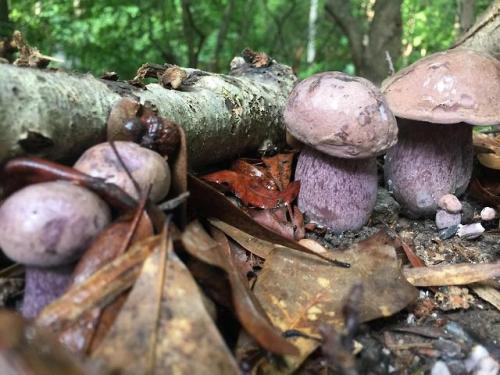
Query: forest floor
[446,322]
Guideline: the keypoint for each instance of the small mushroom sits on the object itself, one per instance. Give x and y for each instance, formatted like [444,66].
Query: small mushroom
[46,227]
[489,213]
[449,211]
[146,167]
[344,123]
[435,101]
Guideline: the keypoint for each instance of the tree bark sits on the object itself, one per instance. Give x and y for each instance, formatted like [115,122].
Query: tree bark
[484,35]
[57,115]
[370,45]
[465,14]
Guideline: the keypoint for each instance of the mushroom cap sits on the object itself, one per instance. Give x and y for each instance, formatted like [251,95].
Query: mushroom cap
[341,116]
[50,223]
[450,203]
[146,167]
[458,85]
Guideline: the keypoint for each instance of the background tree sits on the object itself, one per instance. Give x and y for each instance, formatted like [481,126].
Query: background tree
[120,35]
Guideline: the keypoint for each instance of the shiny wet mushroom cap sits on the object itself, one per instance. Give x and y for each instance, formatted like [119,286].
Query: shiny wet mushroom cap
[345,123]
[46,227]
[146,167]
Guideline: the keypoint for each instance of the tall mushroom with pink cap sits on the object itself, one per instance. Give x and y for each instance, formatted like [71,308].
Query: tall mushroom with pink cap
[435,101]
[344,123]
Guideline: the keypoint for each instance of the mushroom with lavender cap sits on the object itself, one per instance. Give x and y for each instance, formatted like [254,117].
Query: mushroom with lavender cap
[344,123]
[46,227]
[146,167]
[435,101]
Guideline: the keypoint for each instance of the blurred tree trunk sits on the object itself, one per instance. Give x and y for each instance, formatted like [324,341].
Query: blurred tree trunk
[6,29]
[311,39]
[221,35]
[465,13]
[484,35]
[371,40]
[194,36]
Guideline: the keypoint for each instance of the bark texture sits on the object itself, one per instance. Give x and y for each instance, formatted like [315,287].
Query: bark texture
[58,115]
[371,40]
[484,35]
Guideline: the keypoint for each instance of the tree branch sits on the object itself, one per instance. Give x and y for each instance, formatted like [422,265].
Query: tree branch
[57,115]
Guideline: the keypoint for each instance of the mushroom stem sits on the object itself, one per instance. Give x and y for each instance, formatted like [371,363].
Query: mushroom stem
[428,161]
[337,193]
[42,286]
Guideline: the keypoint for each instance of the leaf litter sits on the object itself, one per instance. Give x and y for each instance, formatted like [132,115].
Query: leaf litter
[141,311]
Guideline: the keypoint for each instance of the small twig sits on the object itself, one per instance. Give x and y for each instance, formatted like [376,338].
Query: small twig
[174,202]
[389,62]
[120,160]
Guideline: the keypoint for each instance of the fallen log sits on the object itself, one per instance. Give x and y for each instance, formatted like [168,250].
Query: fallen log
[57,115]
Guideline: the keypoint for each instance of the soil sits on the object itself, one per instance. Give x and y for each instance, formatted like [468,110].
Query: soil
[445,323]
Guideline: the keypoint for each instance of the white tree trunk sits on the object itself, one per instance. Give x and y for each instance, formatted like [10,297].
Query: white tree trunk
[311,40]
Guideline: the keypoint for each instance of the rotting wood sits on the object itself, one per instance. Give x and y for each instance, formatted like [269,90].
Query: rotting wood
[57,114]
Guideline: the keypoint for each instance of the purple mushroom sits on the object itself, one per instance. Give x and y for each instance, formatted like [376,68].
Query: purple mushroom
[146,167]
[436,100]
[46,227]
[344,123]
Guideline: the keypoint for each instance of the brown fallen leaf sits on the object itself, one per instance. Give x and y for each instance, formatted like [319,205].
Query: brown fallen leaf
[208,202]
[256,246]
[110,243]
[280,168]
[248,310]
[487,293]
[163,327]
[452,274]
[98,290]
[253,190]
[27,349]
[484,194]
[489,160]
[274,219]
[300,292]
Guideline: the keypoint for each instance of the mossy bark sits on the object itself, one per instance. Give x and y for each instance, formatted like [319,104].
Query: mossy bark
[57,115]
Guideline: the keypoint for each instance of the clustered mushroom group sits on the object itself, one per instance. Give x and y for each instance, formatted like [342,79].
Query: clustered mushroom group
[47,226]
[421,117]
[344,122]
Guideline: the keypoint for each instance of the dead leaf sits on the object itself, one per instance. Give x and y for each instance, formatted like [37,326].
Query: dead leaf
[491,161]
[487,293]
[484,194]
[164,327]
[274,219]
[255,245]
[452,274]
[27,349]
[300,292]
[253,170]
[208,202]
[280,168]
[252,190]
[250,314]
[98,290]
[109,244]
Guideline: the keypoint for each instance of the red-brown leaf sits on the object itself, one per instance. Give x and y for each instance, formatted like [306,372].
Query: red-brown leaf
[252,190]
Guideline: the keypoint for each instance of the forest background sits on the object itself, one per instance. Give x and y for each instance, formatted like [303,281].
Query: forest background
[355,36]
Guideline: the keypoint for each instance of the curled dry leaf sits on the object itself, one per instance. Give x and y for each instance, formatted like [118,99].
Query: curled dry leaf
[488,149]
[248,310]
[27,349]
[252,191]
[98,290]
[489,195]
[452,274]
[299,292]
[164,327]
[280,168]
[112,242]
[209,202]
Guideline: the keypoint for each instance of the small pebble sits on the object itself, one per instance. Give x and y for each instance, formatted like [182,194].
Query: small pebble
[445,219]
[450,203]
[449,232]
[488,213]
[480,362]
[440,368]
[470,231]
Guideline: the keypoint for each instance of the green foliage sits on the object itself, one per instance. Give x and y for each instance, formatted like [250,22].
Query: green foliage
[112,35]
